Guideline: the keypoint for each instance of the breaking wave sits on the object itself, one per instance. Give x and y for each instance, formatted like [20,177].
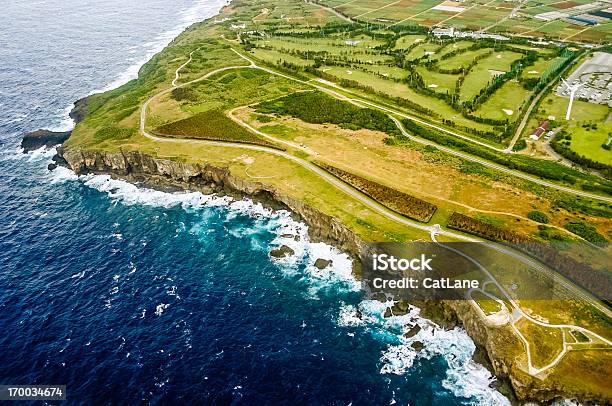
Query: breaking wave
[464,377]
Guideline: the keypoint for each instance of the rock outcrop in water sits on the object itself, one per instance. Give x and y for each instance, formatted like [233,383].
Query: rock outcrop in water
[43,138]
[47,138]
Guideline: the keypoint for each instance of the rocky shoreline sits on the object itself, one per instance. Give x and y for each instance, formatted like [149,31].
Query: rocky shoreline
[165,174]
[160,173]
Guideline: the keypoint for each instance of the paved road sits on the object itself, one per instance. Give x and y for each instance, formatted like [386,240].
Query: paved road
[433,230]
[518,313]
[451,151]
[501,168]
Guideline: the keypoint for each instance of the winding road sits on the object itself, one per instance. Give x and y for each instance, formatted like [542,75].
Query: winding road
[433,230]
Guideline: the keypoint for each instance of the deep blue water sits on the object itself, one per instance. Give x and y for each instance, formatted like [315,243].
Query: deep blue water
[127,295]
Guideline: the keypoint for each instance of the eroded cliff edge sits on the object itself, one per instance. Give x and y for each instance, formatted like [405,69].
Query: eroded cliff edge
[493,342]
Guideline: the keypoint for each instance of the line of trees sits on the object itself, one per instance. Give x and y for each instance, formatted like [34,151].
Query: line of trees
[539,167]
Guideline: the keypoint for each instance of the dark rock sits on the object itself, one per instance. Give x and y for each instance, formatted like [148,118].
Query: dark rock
[381,297]
[400,308]
[417,345]
[51,166]
[413,331]
[388,313]
[43,138]
[80,110]
[322,263]
[282,252]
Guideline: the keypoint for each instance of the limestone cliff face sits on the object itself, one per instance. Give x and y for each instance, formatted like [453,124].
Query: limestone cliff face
[208,179]
[498,343]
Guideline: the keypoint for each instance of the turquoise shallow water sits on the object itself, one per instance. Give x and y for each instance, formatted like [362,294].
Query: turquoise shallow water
[129,295]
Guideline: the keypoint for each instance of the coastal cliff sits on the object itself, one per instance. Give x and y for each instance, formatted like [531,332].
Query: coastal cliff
[493,342]
[136,166]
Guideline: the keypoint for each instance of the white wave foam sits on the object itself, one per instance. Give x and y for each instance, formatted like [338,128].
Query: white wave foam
[41,154]
[65,123]
[201,10]
[160,308]
[465,378]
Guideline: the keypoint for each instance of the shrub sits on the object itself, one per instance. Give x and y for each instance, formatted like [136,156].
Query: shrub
[319,108]
[520,145]
[538,216]
[586,231]
[210,125]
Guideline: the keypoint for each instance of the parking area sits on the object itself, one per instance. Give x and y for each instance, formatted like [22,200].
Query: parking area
[595,77]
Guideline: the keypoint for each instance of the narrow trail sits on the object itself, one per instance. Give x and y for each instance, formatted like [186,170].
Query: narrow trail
[176,74]
[433,230]
[517,309]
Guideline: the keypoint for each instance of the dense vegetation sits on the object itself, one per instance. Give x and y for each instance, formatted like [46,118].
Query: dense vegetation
[483,229]
[210,125]
[397,201]
[538,216]
[319,108]
[587,232]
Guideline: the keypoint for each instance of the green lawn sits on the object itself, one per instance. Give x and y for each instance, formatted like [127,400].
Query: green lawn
[509,97]
[422,50]
[484,72]
[438,82]
[462,60]
[588,143]
[407,41]
[274,57]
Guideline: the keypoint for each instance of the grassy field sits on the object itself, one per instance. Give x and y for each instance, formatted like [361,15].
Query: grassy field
[505,102]
[488,305]
[273,57]
[423,50]
[407,41]
[545,343]
[484,72]
[463,60]
[397,89]
[399,202]
[589,142]
[438,82]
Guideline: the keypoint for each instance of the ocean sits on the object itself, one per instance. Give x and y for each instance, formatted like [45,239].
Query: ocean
[129,295]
